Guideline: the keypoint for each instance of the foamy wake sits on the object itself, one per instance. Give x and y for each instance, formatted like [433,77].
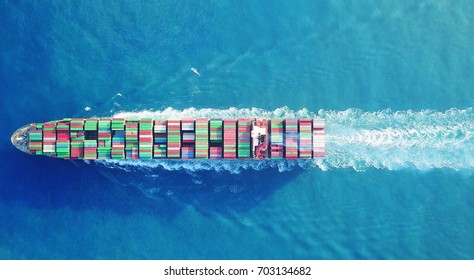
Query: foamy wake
[355,139]
[403,139]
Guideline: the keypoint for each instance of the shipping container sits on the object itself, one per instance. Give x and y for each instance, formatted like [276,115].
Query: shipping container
[276,139]
[305,138]
[131,139]
[104,142]
[243,138]
[215,131]
[49,138]
[319,139]
[118,124]
[230,138]
[160,139]
[202,138]
[187,125]
[291,139]
[63,139]
[187,152]
[215,152]
[146,139]
[35,140]
[174,139]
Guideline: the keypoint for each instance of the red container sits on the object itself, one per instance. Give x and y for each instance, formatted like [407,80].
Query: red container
[63,135]
[216,152]
[230,139]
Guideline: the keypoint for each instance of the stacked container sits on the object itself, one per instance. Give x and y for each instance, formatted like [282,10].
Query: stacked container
[118,124]
[159,146]
[174,139]
[230,138]
[63,139]
[90,125]
[187,128]
[131,139]
[305,132]
[216,131]
[77,124]
[187,125]
[187,152]
[319,138]
[90,145]
[291,139]
[146,139]
[215,152]
[202,138]
[49,138]
[243,137]
[215,139]
[90,149]
[104,142]
[276,132]
[77,138]
[35,139]
[118,138]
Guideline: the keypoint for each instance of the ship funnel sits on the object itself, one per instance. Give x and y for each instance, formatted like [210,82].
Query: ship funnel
[20,139]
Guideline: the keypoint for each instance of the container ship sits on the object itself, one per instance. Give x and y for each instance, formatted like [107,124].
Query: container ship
[183,139]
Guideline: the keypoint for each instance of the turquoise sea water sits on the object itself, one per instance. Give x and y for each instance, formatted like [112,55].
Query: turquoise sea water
[393,80]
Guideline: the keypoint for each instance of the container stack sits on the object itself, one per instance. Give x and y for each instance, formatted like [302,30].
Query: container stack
[291,139]
[215,152]
[77,144]
[118,138]
[118,124]
[131,139]
[202,138]
[319,138]
[35,139]
[63,139]
[174,139]
[90,145]
[77,138]
[90,149]
[90,125]
[187,128]
[276,132]
[215,139]
[77,124]
[230,139]
[159,146]
[146,139]
[216,131]
[187,152]
[306,127]
[243,137]
[187,125]
[104,142]
[49,138]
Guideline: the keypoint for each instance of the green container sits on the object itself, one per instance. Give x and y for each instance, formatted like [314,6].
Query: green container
[90,125]
[118,124]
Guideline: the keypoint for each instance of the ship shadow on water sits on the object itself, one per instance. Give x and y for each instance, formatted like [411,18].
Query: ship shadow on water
[217,191]
[47,183]
[209,192]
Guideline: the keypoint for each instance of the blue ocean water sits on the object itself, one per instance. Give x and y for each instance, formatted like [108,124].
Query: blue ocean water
[392,78]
